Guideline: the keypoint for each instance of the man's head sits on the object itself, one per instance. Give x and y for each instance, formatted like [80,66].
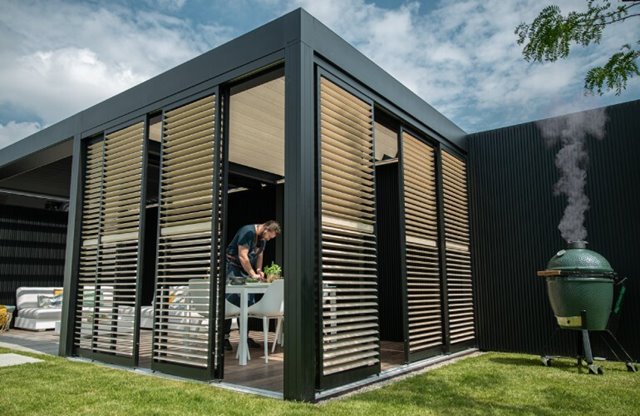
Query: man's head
[270,229]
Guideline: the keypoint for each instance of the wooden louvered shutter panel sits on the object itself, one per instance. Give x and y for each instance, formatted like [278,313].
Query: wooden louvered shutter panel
[458,255]
[92,193]
[117,275]
[220,307]
[181,335]
[421,230]
[350,334]
[108,274]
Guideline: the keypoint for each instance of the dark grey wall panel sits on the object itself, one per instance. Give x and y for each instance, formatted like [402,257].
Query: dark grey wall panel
[515,217]
[32,247]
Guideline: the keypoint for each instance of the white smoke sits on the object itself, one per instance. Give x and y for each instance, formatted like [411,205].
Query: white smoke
[572,160]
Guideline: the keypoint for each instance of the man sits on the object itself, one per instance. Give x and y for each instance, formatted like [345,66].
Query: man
[244,259]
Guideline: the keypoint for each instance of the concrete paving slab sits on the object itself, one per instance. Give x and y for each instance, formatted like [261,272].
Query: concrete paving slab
[10,359]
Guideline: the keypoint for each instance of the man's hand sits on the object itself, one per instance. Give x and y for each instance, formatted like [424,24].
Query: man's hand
[258,276]
[261,275]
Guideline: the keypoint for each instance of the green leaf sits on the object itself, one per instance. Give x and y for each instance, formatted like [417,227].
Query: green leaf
[615,74]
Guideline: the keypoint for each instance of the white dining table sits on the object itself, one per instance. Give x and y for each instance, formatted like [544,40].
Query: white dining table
[244,291]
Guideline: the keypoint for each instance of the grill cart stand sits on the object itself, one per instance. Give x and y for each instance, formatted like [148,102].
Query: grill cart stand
[583,343]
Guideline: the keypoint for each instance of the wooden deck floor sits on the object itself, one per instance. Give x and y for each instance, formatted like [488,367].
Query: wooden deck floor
[256,374]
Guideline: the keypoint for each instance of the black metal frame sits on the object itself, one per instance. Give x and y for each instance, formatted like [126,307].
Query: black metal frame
[141,240]
[299,219]
[403,245]
[307,48]
[74,230]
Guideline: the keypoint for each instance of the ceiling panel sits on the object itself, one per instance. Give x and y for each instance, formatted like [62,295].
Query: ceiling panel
[256,132]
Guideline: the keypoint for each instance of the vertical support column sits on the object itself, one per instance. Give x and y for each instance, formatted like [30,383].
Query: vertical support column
[141,242]
[299,225]
[65,346]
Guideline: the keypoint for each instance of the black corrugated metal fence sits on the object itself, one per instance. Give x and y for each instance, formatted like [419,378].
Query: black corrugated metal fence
[515,217]
[32,248]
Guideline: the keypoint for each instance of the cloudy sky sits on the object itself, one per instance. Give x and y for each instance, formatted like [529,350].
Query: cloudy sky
[60,57]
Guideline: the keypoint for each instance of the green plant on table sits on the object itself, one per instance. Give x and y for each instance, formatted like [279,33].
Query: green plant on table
[273,272]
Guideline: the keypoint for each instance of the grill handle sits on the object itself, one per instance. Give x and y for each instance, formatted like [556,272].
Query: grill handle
[623,290]
[548,273]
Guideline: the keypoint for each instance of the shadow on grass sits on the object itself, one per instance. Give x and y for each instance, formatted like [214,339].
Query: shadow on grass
[562,363]
[449,397]
[567,364]
[496,385]
[517,361]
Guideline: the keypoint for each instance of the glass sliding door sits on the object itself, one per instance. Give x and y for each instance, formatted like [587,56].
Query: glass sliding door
[106,313]
[349,332]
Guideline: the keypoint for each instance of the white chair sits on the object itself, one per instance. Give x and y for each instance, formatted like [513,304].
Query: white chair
[271,306]
[199,296]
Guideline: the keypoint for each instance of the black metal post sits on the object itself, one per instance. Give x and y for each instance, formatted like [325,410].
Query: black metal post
[299,217]
[403,246]
[65,346]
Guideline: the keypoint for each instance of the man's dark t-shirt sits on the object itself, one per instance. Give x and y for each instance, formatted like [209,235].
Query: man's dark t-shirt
[246,236]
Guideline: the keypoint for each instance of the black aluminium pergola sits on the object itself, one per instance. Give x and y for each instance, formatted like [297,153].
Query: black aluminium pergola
[305,48]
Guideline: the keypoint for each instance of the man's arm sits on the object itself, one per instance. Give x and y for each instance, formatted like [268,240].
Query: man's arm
[259,265]
[243,256]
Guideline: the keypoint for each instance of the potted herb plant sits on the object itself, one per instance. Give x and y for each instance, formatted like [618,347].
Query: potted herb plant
[273,272]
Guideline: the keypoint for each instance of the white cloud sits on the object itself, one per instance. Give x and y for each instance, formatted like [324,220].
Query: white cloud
[13,131]
[461,57]
[57,83]
[171,5]
[60,58]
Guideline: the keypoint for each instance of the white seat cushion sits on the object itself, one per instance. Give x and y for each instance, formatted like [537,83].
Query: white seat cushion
[146,317]
[41,313]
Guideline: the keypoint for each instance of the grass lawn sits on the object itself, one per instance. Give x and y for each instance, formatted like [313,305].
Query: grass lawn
[497,384]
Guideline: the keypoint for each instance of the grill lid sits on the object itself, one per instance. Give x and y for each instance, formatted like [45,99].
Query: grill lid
[577,258]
